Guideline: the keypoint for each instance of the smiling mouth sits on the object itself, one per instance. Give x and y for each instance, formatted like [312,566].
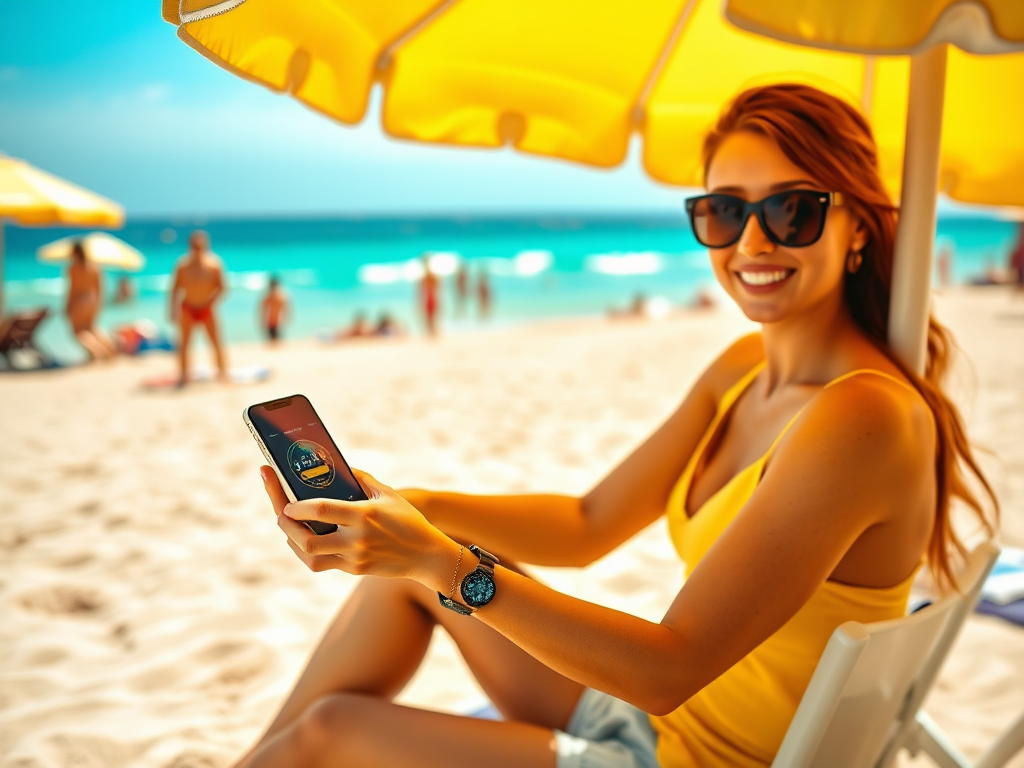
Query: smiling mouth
[762,278]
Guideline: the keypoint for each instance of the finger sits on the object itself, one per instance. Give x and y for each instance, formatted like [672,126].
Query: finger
[274,490]
[373,487]
[341,542]
[325,510]
[296,532]
[317,563]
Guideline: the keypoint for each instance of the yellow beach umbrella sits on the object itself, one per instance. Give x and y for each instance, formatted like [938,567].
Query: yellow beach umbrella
[100,247]
[31,197]
[574,79]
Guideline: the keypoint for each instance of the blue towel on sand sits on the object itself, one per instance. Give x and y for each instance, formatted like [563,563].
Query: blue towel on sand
[1003,593]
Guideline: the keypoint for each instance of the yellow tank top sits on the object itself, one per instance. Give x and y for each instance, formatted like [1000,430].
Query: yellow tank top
[740,718]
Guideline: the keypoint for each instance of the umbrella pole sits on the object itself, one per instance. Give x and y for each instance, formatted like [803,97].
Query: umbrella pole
[915,235]
[1,269]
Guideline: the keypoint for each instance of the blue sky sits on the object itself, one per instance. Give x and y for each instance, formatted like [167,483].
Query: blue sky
[104,94]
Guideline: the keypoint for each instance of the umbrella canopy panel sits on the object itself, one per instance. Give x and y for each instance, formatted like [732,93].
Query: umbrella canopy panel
[31,197]
[100,247]
[573,79]
[886,26]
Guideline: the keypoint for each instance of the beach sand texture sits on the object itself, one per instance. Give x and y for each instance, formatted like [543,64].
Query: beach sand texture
[151,615]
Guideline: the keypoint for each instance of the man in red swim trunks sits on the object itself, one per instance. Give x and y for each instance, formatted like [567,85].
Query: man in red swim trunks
[429,297]
[198,284]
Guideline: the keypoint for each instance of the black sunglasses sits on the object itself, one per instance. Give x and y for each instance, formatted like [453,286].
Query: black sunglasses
[795,218]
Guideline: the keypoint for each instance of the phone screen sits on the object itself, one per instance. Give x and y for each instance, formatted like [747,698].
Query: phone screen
[304,452]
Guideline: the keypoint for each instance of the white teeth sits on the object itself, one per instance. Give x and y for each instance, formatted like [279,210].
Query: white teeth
[763,278]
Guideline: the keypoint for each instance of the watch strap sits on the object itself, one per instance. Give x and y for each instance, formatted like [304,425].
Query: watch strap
[487,560]
[454,605]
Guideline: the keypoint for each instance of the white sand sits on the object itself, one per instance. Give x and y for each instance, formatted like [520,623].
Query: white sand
[151,615]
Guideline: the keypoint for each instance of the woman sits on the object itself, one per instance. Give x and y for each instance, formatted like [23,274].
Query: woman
[805,478]
[84,302]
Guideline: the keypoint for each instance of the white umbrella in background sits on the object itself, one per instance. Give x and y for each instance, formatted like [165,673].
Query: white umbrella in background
[101,248]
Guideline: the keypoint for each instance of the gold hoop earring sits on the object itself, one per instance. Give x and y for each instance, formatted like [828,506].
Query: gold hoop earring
[853,262]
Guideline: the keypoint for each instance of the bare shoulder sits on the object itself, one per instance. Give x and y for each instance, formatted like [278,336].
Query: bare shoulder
[212,261]
[733,364]
[873,422]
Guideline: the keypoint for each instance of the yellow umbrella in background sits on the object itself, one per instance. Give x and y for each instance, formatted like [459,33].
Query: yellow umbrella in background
[31,197]
[101,248]
[574,79]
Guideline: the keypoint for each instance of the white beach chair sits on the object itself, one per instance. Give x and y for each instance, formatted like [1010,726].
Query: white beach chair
[862,705]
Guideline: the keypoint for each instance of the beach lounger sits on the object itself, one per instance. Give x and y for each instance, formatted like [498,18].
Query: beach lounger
[862,705]
[16,336]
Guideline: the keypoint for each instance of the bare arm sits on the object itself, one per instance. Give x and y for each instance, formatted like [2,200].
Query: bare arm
[556,530]
[853,461]
[548,529]
[98,282]
[71,291]
[220,287]
[172,295]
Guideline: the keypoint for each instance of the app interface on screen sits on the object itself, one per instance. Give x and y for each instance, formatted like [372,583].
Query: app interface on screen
[305,452]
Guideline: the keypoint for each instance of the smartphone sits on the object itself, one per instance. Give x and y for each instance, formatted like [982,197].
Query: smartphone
[296,444]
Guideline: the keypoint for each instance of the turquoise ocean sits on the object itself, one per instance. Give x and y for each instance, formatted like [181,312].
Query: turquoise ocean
[544,266]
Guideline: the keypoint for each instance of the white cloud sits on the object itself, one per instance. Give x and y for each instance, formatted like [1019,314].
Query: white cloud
[154,93]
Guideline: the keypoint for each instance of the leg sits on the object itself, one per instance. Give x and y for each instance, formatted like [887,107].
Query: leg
[379,638]
[91,344]
[359,731]
[82,315]
[210,323]
[109,347]
[185,325]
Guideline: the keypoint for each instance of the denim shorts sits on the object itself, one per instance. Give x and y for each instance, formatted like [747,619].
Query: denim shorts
[605,732]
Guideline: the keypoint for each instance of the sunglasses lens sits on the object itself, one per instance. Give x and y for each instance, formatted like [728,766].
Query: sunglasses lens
[795,218]
[717,220]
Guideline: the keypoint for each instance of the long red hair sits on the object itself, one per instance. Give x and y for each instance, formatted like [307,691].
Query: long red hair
[831,141]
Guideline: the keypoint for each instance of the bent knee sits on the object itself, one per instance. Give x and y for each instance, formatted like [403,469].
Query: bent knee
[327,725]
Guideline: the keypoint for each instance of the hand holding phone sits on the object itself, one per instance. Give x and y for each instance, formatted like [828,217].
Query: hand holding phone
[305,458]
[383,536]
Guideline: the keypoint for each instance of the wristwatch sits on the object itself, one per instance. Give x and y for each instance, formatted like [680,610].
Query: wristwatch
[477,588]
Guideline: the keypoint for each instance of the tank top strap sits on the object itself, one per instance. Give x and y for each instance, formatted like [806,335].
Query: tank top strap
[874,371]
[836,380]
[737,389]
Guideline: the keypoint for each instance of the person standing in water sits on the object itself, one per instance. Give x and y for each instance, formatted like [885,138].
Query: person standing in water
[84,302]
[461,289]
[274,309]
[1016,262]
[429,297]
[198,284]
[483,294]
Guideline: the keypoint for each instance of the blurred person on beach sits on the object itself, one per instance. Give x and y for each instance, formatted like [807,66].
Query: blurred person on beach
[84,302]
[429,297]
[806,478]
[275,309]
[359,328]
[125,291]
[198,285]
[484,294]
[944,263]
[703,299]
[636,308]
[1015,263]
[387,326]
[461,289]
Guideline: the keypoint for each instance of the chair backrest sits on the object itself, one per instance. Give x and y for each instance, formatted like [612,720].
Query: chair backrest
[17,328]
[872,678]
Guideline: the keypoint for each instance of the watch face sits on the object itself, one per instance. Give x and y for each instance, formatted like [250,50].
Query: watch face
[478,588]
